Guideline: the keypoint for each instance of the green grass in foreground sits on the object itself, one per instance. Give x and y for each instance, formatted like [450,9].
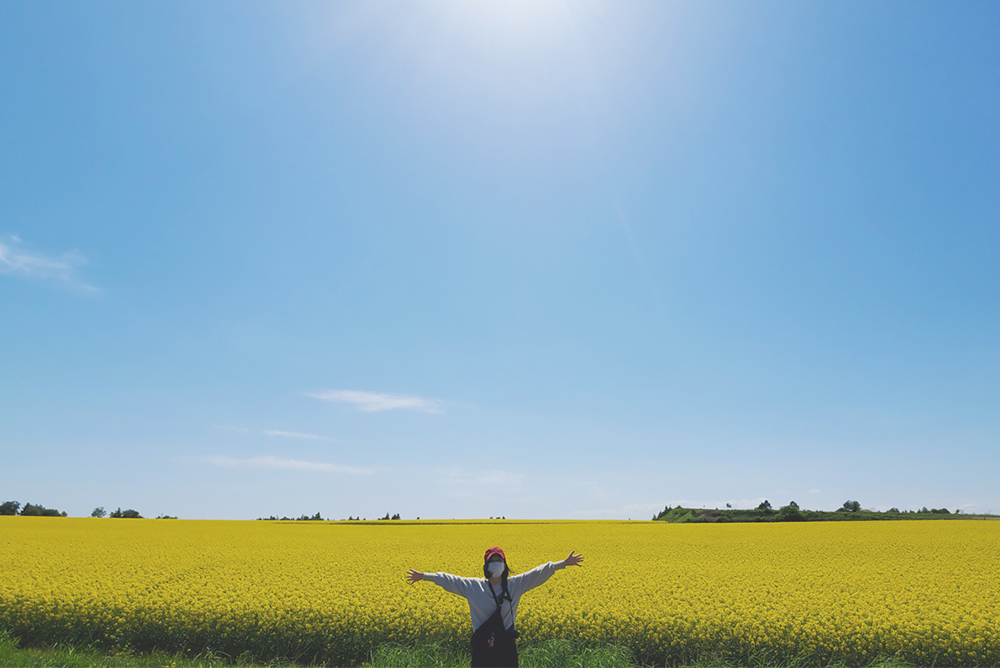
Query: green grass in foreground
[60,656]
[561,654]
[552,653]
[547,654]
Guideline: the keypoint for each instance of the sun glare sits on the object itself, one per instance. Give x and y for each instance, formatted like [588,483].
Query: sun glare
[517,24]
[517,18]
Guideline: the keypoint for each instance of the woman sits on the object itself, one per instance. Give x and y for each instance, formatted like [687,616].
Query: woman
[493,602]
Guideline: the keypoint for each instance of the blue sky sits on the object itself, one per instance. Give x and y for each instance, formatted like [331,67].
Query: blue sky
[539,260]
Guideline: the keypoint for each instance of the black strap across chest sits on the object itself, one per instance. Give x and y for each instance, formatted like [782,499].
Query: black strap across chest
[499,601]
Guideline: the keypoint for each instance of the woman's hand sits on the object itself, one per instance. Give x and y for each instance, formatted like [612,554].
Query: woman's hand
[573,559]
[414,576]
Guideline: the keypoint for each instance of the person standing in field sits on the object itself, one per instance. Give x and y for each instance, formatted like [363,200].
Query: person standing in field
[493,602]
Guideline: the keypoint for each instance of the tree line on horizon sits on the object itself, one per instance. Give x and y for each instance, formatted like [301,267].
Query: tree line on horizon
[30,509]
[851,510]
[319,518]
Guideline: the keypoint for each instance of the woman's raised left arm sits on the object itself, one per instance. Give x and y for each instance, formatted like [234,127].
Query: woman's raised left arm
[523,582]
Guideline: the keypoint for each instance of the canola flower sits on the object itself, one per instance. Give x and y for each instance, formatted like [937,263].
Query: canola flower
[925,592]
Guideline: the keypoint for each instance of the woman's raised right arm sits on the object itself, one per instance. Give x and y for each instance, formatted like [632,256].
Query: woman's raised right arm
[447,581]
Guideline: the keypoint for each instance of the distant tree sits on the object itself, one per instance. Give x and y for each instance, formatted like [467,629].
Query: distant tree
[790,513]
[850,507]
[9,507]
[941,511]
[32,510]
[99,512]
[166,517]
[729,506]
[894,510]
[133,514]
[765,505]
[396,516]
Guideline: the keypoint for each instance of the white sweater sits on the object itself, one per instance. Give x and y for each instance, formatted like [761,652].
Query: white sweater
[477,591]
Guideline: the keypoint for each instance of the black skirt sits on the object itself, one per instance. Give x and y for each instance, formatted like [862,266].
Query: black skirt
[494,646]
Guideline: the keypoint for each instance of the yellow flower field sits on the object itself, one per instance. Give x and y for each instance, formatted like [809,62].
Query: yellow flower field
[927,592]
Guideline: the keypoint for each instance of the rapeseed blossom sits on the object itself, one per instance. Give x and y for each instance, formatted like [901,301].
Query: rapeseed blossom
[925,592]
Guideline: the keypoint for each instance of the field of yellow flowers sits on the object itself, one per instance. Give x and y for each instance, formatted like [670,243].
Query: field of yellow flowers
[926,592]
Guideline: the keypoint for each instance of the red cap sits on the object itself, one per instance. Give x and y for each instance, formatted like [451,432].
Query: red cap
[494,550]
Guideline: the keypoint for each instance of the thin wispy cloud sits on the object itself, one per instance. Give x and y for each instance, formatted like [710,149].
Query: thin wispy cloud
[374,402]
[15,260]
[461,482]
[296,434]
[271,462]
[631,510]
[275,432]
[501,479]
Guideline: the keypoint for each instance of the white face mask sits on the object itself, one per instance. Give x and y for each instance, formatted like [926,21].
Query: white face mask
[496,569]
